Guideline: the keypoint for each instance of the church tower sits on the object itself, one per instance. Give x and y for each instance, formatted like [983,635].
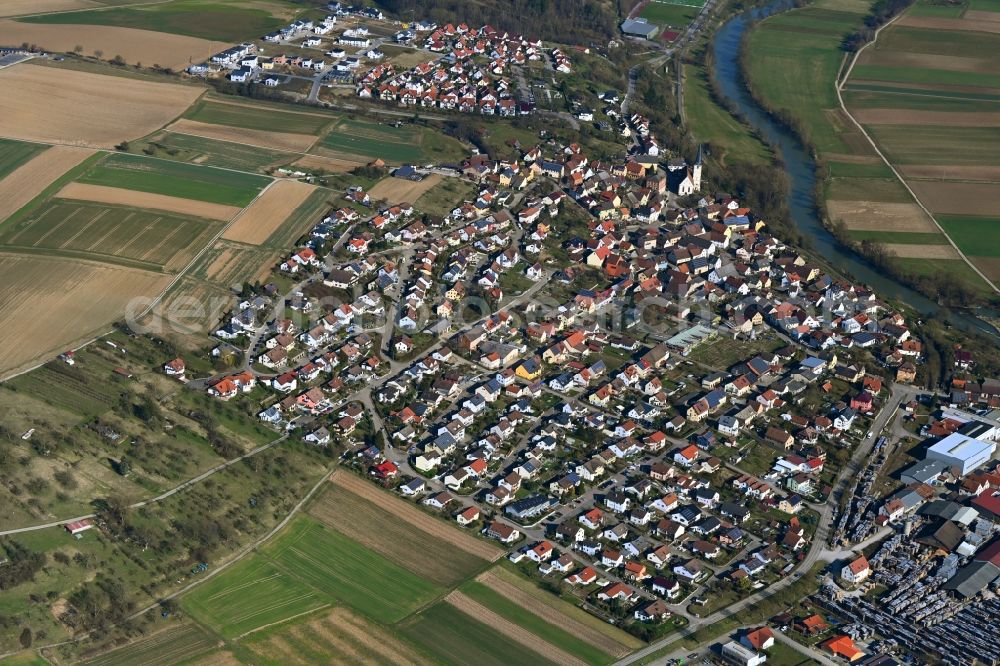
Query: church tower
[696,170]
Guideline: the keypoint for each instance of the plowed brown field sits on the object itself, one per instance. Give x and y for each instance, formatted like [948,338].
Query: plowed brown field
[28,180]
[268,212]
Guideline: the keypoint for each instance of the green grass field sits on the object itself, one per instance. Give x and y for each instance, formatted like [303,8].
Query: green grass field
[445,196]
[914,144]
[985,5]
[138,238]
[210,152]
[927,100]
[965,44]
[170,646]
[15,153]
[177,179]
[730,140]
[257,117]
[852,170]
[793,60]
[915,238]
[407,144]
[455,638]
[889,190]
[227,20]
[938,8]
[345,570]
[954,268]
[545,630]
[75,392]
[250,595]
[975,236]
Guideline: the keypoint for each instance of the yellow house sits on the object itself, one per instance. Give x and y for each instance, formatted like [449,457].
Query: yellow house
[529,369]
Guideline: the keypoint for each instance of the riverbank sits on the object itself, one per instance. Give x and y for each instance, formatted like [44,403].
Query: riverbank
[861,203]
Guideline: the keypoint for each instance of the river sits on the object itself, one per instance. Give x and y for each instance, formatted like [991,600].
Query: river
[801,169]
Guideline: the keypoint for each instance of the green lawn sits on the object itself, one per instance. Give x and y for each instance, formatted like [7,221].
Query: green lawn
[15,153]
[793,60]
[558,637]
[250,595]
[345,570]
[257,117]
[225,20]
[453,637]
[210,152]
[730,140]
[177,179]
[670,14]
[975,236]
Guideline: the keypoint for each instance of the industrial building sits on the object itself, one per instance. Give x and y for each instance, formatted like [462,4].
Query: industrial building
[962,453]
[734,653]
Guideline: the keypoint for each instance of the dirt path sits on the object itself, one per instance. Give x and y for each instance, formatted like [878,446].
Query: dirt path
[512,631]
[415,516]
[551,615]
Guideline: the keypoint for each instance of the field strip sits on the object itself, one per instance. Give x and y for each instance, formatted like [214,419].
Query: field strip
[957,198]
[938,23]
[398,190]
[138,236]
[415,516]
[284,141]
[876,116]
[258,221]
[915,251]
[217,99]
[152,251]
[236,588]
[263,610]
[133,198]
[516,633]
[838,87]
[369,635]
[94,220]
[31,178]
[283,621]
[553,616]
[973,174]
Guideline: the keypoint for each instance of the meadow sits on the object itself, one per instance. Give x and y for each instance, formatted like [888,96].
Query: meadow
[453,637]
[225,20]
[730,140]
[15,153]
[914,144]
[407,144]
[177,179]
[975,236]
[210,152]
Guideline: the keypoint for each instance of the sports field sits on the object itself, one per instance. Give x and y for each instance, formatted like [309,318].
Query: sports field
[151,240]
[176,179]
[227,20]
[671,13]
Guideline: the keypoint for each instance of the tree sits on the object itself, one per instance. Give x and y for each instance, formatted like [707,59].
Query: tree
[25,638]
[98,53]
[78,49]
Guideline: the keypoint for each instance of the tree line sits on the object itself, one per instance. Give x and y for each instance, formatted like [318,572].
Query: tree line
[881,13]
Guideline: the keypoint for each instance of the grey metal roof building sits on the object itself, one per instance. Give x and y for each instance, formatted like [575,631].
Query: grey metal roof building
[973,579]
[639,28]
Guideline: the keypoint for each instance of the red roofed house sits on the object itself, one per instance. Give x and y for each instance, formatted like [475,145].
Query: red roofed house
[843,646]
[758,639]
[856,571]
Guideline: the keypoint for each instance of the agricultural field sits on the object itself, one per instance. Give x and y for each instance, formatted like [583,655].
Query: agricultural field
[406,144]
[44,172]
[250,595]
[42,104]
[455,637]
[176,179]
[268,213]
[443,197]
[117,196]
[210,152]
[134,46]
[257,117]
[15,153]
[396,190]
[338,636]
[227,20]
[170,646]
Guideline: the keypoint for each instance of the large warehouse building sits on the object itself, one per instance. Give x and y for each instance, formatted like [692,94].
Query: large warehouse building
[962,453]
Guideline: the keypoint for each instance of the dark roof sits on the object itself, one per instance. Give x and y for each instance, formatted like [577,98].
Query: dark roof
[973,579]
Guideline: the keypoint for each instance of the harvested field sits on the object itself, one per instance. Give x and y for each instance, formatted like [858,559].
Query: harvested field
[50,304]
[914,251]
[44,103]
[956,198]
[268,212]
[135,46]
[392,536]
[934,23]
[878,216]
[230,264]
[251,137]
[511,630]
[337,165]
[913,117]
[30,179]
[980,15]
[415,517]
[986,174]
[548,613]
[339,636]
[133,198]
[990,266]
[398,190]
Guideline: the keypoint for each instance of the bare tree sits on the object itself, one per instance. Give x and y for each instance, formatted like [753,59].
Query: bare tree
[98,53]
